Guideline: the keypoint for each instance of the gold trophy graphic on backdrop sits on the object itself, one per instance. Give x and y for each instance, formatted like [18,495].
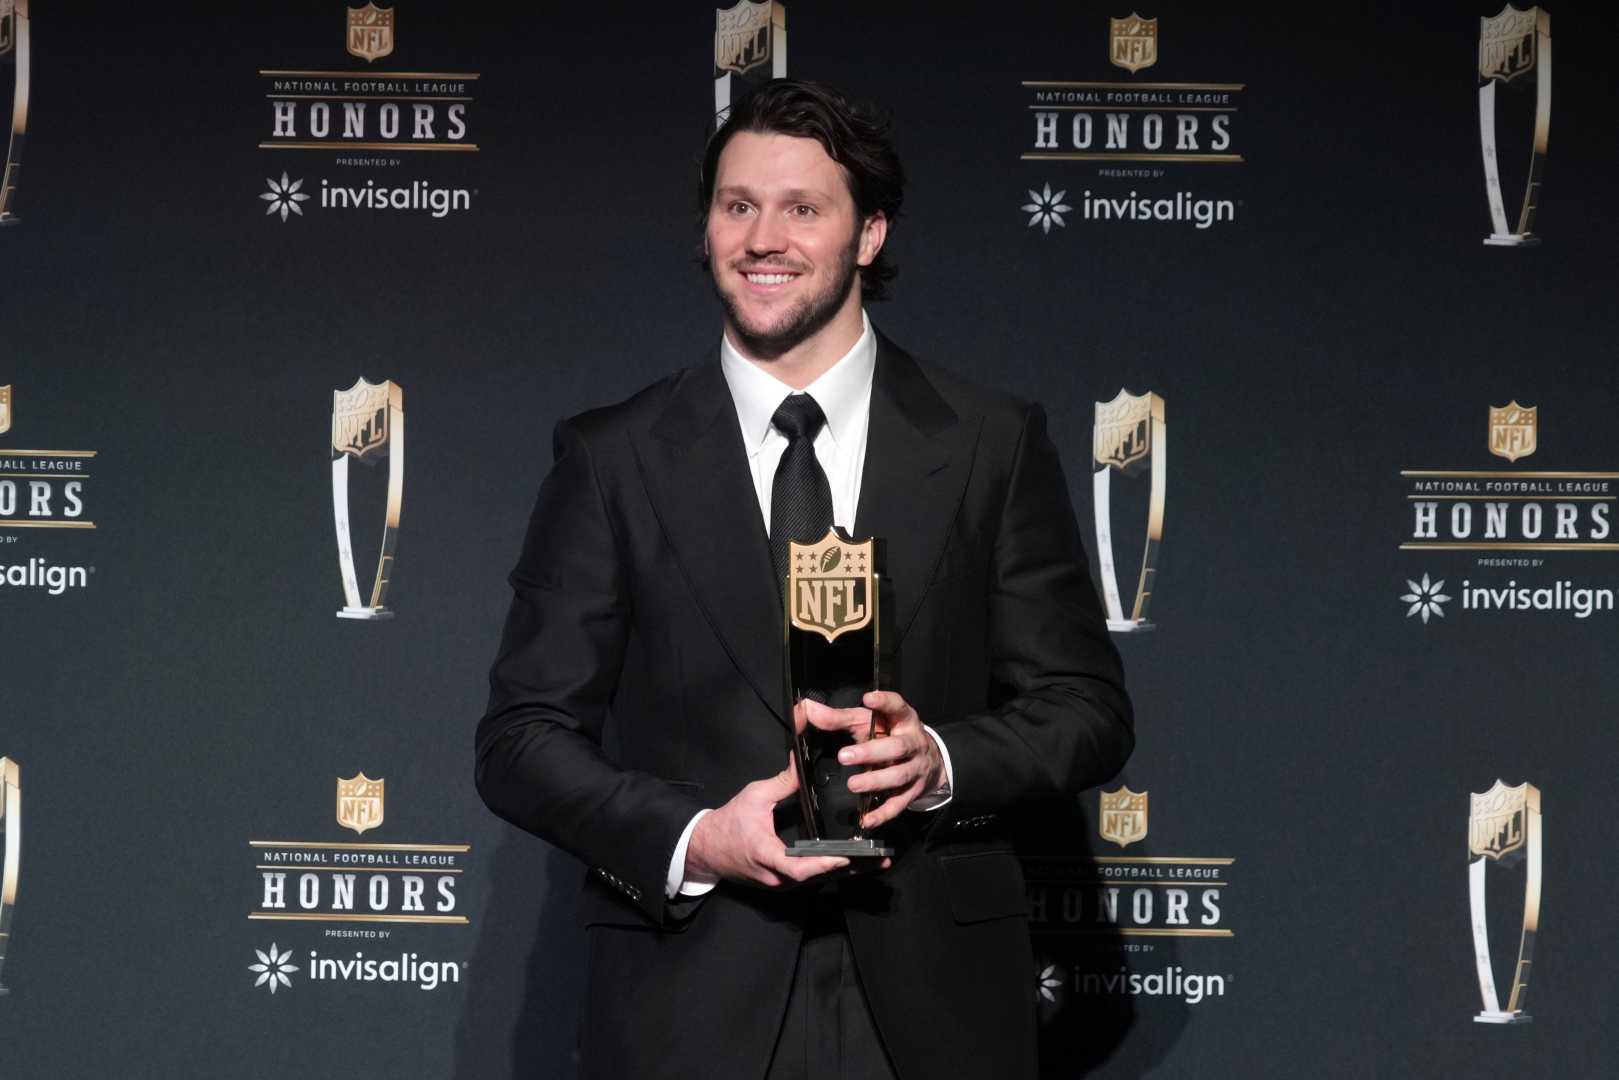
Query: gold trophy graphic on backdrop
[1503,827]
[1510,44]
[368,425]
[1130,438]
[10,854]
[15,54]
[834,615]
[750,47]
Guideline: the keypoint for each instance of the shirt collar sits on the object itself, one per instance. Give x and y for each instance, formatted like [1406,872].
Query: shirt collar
[841,390]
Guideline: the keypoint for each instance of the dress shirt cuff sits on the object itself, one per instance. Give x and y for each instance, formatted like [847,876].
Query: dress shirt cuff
[932,800]
[679,882]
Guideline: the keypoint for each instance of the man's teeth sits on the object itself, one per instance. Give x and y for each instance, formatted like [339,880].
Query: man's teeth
[770,279]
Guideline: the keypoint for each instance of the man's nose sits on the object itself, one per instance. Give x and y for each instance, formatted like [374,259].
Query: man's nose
[767,235]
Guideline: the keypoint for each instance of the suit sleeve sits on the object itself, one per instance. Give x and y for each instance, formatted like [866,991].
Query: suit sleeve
[1065,723]
[540,762]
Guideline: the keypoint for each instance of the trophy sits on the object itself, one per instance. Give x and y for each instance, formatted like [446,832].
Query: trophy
[833,622]
[14,53]
[1510,44]
[1503,827]
[747,36]
[1130,438]
[368,425]
[10,853]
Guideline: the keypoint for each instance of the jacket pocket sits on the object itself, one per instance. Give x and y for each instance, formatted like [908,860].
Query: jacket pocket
[984,885]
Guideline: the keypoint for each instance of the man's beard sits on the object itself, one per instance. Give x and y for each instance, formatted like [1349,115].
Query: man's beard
[798,323]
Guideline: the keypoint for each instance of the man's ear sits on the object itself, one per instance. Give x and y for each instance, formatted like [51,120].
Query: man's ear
[873,231]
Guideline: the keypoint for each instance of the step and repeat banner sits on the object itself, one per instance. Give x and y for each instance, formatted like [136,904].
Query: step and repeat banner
[1355,267]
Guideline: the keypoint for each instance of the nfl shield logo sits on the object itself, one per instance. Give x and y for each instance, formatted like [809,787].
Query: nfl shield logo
[1133,43]
[1512,430]
[5,409]
[360,419]
[1506,44]
[359,802]
[742,35]
[371,32]
[1124,816]
[830,585]
[1123,433]
[1495,822]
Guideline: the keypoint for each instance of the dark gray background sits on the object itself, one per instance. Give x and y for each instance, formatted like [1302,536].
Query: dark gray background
[1347,325]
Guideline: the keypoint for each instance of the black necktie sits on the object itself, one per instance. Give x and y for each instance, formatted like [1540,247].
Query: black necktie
[800,498]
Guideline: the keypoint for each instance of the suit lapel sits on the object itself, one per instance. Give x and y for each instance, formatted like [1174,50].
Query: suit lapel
[695,468]
[917,461]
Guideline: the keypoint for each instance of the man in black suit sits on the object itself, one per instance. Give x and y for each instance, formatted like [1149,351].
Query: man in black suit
[636,716]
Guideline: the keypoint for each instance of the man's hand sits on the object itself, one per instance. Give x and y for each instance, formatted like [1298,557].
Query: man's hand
[905,762]
[739,842]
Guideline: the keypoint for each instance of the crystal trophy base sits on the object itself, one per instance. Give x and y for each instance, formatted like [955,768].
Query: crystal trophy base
[1131,626]
[1503,1018]
[365,613]
[849,849]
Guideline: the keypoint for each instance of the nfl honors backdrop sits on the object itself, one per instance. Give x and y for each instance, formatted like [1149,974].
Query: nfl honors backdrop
[1355,268]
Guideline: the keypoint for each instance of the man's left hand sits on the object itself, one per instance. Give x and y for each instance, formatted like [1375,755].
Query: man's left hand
[904,763]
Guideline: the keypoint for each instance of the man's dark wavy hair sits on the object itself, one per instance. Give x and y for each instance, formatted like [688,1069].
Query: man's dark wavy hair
[854,136]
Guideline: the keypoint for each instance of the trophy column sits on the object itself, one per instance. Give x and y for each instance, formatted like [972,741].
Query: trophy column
[1504,827]
[1511,44]
[11,858]
[14,53]
[368,425]
[1130,437]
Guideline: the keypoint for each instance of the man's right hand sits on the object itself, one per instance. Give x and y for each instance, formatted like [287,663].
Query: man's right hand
[738,842]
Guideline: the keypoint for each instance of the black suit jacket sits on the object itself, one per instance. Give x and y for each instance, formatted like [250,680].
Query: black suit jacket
[639,680]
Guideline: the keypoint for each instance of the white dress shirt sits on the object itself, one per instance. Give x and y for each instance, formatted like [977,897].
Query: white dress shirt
[843,391]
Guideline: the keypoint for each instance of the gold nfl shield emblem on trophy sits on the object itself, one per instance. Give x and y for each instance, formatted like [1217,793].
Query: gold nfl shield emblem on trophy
[750,47]
[360,802]
[5,409]
[370,32]
[830,585]
[742,35]
[1130,437]
[1504,829]
[1123,817]
[368,425]
[1513,429]
[1133,42]
[1506,44]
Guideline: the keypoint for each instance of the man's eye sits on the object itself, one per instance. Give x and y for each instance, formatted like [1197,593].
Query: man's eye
[740,208]
[803,211]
